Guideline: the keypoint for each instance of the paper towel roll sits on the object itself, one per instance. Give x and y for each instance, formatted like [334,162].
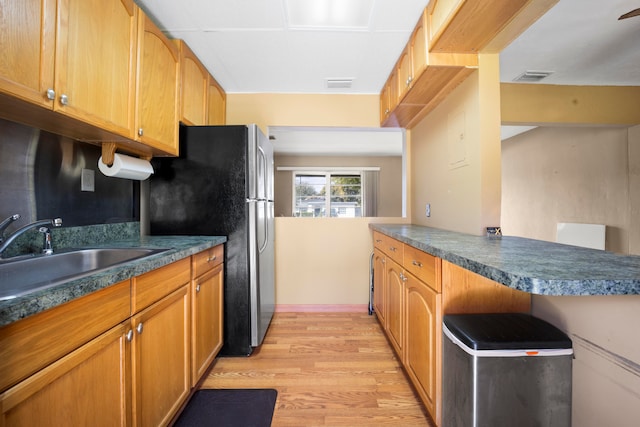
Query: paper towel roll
[126,167]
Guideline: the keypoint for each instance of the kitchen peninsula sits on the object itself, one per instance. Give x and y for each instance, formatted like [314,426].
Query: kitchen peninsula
[533,266]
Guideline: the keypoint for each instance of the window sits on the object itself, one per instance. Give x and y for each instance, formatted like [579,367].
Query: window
[331,193]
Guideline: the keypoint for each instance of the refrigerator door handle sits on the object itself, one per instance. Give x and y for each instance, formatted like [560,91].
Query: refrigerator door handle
[266,227]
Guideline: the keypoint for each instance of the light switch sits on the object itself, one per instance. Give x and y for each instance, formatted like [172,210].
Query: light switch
[87,180]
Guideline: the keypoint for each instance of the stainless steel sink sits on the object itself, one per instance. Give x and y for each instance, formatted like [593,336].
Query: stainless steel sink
[25,275]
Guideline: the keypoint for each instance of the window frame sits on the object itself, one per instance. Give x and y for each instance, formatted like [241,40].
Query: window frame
[328,172]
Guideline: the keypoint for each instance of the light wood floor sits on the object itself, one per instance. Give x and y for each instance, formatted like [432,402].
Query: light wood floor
[330,369]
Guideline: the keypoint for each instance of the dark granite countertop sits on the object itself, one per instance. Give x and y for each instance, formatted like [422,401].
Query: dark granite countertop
[533,266]
[179,247]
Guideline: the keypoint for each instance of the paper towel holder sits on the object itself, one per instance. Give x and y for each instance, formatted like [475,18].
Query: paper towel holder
[109,151]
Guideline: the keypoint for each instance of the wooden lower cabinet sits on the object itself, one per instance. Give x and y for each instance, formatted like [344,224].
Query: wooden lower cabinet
[88,387]
[418,290]
[160,353]
[423,345]
[379,291]
[126,355]
[207,325]
[395,304]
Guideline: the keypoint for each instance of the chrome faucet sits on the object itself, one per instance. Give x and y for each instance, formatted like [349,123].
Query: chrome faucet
[6,223]
[42,226]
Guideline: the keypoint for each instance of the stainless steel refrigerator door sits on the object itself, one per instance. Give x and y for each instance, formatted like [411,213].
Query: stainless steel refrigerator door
[263,296]
[265,167]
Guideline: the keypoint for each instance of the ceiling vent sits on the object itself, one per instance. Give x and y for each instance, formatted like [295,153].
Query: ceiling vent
[339,83]
[532,76]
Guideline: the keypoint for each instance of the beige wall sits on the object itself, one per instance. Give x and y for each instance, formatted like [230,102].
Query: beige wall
[584,174]
[455,156]
[567,174]
[319,261]
[389,180]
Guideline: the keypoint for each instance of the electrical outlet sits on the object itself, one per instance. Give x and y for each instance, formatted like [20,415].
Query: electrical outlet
[87,180]
[427,210]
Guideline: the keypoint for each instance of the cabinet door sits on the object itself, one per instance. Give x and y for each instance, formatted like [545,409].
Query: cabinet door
[207,318]
[423,314]
[88,387]
[157,119]
[404,73]
[28,49]
[379,282]
[217,109]
[160,354]
[95,62]
[418,47]
[395,303]
[194,87]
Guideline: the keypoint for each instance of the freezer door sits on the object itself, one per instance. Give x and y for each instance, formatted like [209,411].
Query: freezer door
[265,167]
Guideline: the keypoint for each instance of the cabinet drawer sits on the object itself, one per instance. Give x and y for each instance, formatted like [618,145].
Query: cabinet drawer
[390,246]
[424,266]
[154,285]
[206,260]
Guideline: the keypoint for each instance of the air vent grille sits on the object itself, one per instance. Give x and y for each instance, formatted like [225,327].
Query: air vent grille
[339,83]
[532,76]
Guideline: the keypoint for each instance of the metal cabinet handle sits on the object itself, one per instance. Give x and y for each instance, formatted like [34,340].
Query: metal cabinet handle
[129,335]
[379,240]
[212,258]
[198,287]
[51,94]
[392,249]
[139,328]
[140,132]
[64,99]
[416,263]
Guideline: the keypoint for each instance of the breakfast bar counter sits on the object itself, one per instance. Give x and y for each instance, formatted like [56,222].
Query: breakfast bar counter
[533,266]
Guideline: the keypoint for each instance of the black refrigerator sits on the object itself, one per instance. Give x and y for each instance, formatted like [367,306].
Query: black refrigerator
[222,185]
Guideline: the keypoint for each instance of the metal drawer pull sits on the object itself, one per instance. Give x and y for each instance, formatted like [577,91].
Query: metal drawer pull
[129,335]
[212,258]
[378,240]
[198,288]
[392,249]
[416,263]
[139,328]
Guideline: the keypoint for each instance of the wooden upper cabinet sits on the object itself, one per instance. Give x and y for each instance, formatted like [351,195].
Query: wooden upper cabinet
[158,89]
[418,47]
[404,72]
[194,87]
[28,45]
[217,108]
[95,62]
[76,57]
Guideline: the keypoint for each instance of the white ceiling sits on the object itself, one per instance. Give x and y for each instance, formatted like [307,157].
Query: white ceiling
[250,47]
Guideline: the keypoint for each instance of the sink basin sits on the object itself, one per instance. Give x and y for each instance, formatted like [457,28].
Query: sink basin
[26,275]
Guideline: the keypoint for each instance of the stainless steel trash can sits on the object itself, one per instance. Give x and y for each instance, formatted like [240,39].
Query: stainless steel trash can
[505,370]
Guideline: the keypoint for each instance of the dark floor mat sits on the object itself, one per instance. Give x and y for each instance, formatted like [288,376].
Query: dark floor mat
[229,408]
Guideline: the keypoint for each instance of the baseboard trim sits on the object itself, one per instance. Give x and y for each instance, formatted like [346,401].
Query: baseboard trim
[321,308]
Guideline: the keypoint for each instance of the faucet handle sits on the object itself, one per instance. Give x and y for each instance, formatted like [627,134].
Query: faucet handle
[47,247]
